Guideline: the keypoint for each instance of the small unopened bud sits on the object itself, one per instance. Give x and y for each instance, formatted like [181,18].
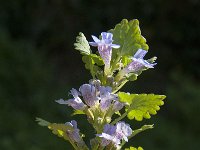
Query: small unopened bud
[108,119]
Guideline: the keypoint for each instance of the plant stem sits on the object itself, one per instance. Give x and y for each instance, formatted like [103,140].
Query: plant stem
[135,132]
[114,63]
[74,146]
[119,118]
[119,87]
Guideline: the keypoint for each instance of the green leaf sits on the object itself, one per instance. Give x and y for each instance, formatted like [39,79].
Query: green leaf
[131,77]
[141,105]
[128,35]
[82,44]
[133,148]
[78,112]
[97,59]
[92,62]
[126,60]
[60,129]
[135,132]
[42,122]
[57,129]
[143,128]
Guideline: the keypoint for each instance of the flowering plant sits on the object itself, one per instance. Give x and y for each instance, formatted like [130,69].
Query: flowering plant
[119,59]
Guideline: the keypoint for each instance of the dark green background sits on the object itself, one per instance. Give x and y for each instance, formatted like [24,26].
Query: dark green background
[38,65]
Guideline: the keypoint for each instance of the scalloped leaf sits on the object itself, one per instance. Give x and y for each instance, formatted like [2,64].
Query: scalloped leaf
[60,129]
[82,44]
[92,62]
[128,35]
[42,122]
[133,148]
[57,129]
[141,105]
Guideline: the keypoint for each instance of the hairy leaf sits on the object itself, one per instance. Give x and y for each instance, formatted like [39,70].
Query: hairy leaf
[42,122]
[141,105]
[133,148]
[60,129]
[82,44]
[128,35]
[57,129]
[126,60]
[92,62]
[131,77]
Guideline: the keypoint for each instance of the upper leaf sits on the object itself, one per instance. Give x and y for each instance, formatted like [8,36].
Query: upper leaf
[141,105]
[82,44]
[128,35]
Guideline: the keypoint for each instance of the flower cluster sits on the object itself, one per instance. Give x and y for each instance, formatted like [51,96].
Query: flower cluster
[94,96]
[114,134]
[100,99]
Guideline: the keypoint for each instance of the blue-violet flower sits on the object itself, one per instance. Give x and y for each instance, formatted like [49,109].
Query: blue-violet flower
[138,62]
[74,134]
[105,47]
[114,134]
[76,102]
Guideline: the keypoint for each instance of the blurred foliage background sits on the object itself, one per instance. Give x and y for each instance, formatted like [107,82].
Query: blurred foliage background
[38,64]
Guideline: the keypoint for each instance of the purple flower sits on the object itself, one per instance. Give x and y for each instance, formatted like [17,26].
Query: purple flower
[74,134]
[138,63]
[106,97]
[115,134]
[108,135]
[93,94]
[76,102]
[104,46]
[123,131]
[117,106]
[89,94]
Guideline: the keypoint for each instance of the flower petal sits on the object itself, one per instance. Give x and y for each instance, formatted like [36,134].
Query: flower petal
[93,43]
[61,101]
[106,35]
[89,94]
[95,39]
[140,54]
[115,46]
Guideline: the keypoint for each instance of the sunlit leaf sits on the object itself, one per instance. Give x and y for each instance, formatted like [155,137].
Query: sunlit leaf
[42,122]
[141,105]
[82,44]
[78,112]
[92,63]
[133,148]
[128,35]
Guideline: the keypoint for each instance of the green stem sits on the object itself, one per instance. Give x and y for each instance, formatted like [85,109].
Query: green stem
[74,146]
[114,63]
[119,87]
[119,118]
[135,132]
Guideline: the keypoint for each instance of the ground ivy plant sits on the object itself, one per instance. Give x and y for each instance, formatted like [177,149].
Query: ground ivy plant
[119,58]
